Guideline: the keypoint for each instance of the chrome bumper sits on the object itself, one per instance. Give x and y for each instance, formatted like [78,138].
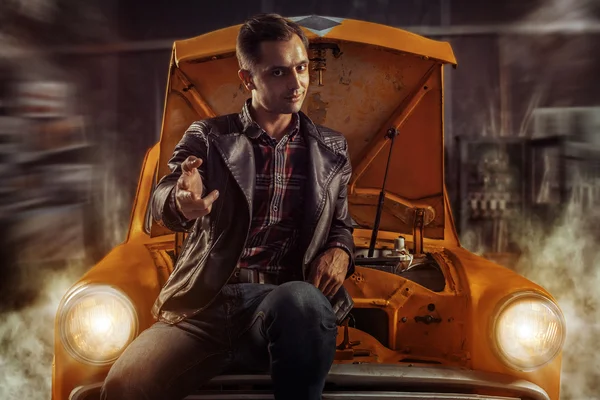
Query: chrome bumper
[369,381]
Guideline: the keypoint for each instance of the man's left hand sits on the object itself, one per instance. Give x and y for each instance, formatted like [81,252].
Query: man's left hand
[329,270]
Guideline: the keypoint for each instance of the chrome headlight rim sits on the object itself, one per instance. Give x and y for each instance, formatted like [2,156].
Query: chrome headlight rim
[70,300]
[511,300]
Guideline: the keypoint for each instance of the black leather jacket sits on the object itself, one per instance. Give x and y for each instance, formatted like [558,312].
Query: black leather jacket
[215,242]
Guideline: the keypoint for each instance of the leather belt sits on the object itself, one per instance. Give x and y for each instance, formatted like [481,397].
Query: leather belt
[250,275]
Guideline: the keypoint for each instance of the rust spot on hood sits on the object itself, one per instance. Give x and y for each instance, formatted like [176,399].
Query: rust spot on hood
[317,108]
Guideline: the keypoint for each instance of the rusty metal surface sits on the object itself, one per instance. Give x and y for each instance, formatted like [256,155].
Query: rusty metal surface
[405,303]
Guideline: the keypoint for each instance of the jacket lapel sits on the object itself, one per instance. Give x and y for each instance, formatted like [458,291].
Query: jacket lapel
[236,151]
[322,164]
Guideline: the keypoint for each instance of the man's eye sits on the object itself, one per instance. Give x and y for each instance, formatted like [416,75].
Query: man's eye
[277,72]
[302,67]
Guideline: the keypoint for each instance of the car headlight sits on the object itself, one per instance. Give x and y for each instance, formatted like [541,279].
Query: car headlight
[529,331]
[96,323]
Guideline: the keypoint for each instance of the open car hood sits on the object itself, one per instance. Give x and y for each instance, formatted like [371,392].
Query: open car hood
[375,77]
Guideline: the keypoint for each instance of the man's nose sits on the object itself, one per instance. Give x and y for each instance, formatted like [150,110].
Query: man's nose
[294,82]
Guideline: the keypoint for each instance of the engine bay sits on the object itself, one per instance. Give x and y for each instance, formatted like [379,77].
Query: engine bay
[420,268]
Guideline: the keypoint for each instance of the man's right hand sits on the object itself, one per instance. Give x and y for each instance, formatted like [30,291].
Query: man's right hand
[188,191]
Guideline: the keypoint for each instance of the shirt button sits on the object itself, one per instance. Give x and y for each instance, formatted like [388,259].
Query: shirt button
[275,208]
[278,178]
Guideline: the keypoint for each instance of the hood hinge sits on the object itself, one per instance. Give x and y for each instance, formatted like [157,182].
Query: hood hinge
[418,226]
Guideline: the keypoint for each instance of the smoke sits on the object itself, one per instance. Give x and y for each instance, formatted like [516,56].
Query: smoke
[27,335]
[564,260]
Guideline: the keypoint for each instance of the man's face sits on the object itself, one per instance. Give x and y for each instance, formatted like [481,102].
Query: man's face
[281,77]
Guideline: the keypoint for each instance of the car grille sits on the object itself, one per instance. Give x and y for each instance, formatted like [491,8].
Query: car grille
[371,381]
[92,392]
[353,395]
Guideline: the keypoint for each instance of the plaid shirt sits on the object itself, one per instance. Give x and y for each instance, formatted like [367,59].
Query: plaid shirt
[281,169]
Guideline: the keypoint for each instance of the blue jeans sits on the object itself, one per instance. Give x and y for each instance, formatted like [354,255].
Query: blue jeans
[287,330]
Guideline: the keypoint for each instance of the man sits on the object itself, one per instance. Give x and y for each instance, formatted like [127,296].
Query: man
[262,195]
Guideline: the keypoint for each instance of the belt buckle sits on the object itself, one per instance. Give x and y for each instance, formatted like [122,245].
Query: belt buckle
[248,275]
[235,277]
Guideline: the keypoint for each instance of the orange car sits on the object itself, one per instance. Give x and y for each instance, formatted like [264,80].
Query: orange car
[431,320]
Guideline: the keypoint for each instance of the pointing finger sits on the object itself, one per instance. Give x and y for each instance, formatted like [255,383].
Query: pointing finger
[191,163]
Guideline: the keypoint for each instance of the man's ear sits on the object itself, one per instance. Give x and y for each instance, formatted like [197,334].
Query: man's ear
[246,78]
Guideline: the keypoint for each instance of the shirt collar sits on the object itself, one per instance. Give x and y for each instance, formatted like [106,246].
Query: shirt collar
[254,131]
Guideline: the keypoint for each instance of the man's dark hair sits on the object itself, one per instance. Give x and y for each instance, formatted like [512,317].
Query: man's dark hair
[262,28]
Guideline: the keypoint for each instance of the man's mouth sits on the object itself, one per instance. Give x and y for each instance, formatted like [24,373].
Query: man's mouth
[294,98]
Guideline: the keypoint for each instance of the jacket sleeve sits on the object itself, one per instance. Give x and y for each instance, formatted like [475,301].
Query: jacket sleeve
[164,210]
[340,232]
